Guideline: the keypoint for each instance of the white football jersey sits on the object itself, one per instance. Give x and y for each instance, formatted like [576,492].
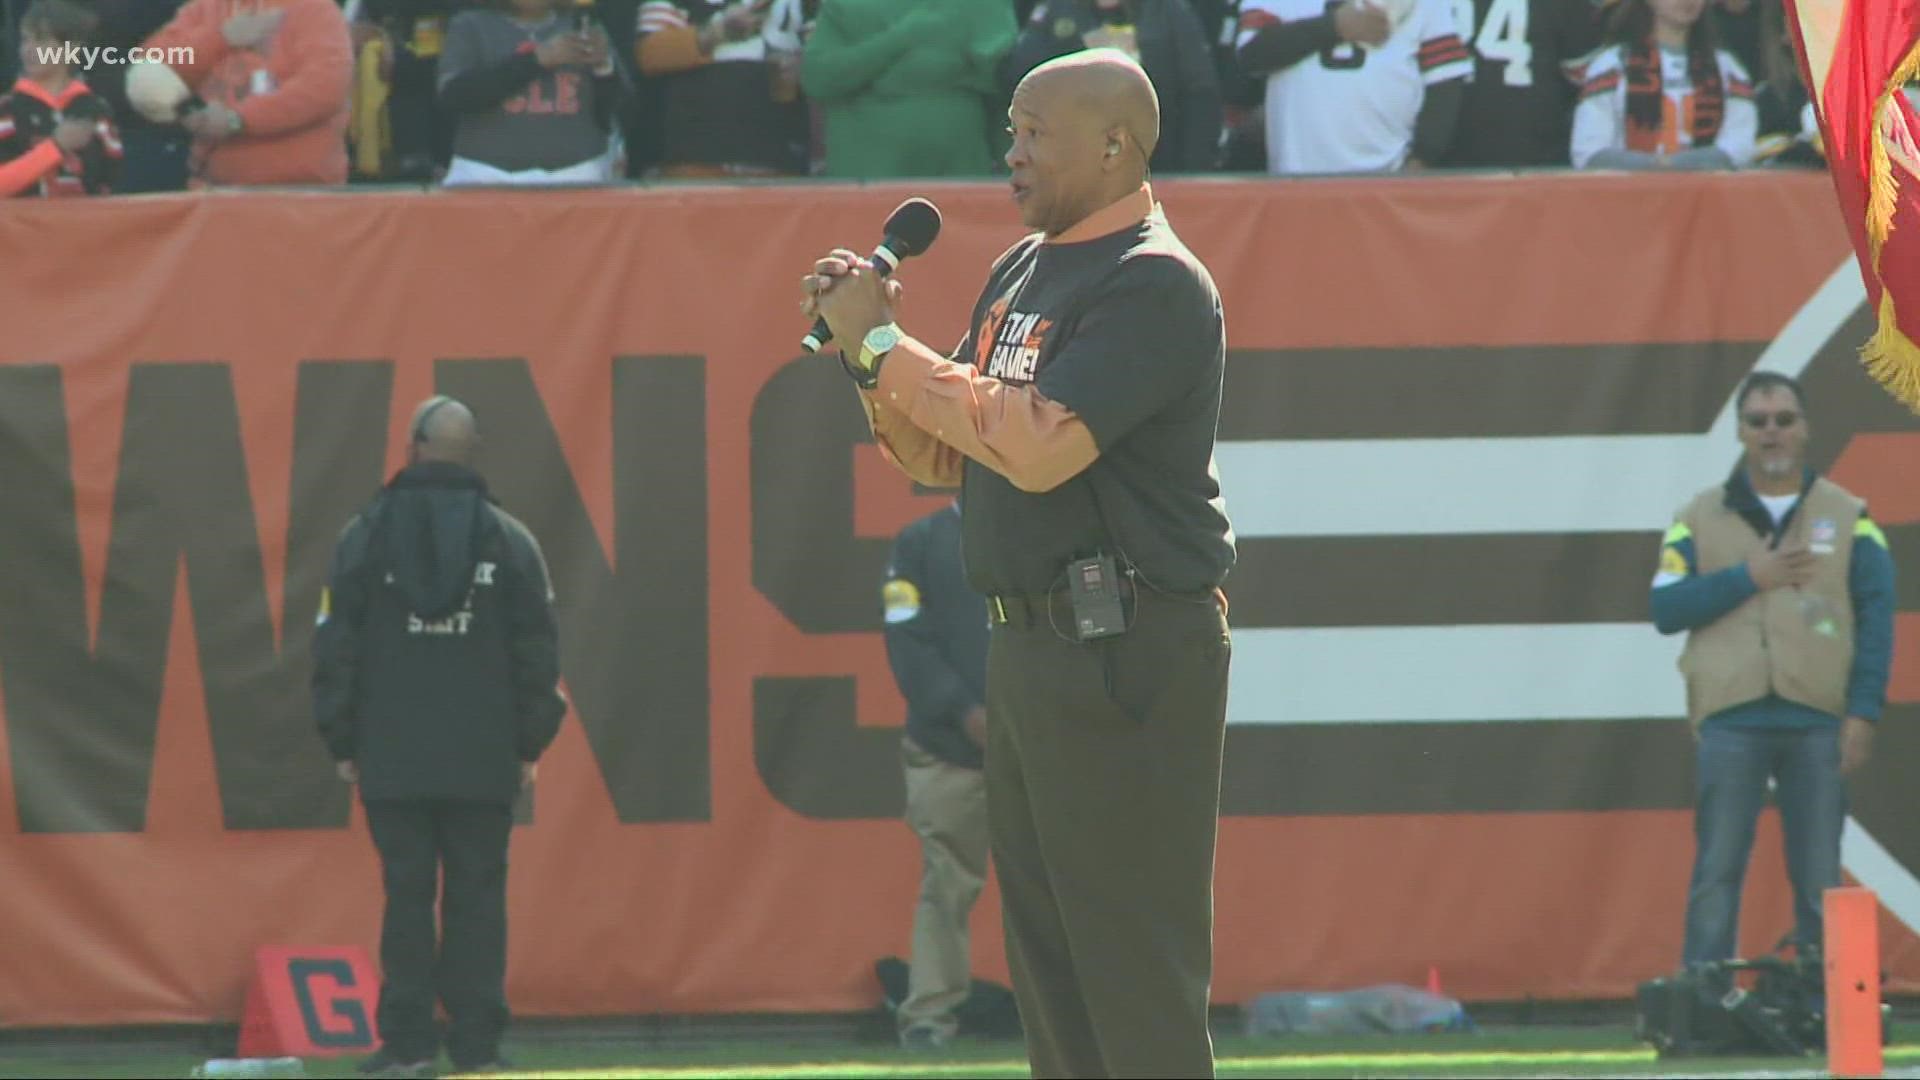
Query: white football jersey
[1600,119]
[1352,108]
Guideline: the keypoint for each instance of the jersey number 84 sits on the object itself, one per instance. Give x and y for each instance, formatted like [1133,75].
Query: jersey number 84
[1501,37]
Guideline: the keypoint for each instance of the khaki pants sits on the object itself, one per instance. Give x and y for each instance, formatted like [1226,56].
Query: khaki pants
[1103,776]
[947,810]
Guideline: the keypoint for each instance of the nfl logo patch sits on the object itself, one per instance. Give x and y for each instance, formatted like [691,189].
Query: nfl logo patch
[1823,534]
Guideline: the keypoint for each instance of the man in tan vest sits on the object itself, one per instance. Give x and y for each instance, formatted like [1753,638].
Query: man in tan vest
[1786,591]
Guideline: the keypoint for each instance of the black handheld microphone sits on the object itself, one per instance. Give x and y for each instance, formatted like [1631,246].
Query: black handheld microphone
[911,229]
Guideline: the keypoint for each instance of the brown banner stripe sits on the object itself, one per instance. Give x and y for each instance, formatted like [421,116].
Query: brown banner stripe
[1660,389]
[1468,580]
[1443,580]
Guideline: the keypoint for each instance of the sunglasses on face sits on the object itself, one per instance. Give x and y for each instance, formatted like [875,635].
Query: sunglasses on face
[1784,419]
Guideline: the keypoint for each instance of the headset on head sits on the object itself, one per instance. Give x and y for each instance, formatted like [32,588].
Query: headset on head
[1113,147]
[433,406]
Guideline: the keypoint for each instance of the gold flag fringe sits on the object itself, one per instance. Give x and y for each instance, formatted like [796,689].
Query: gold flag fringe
[1891,356]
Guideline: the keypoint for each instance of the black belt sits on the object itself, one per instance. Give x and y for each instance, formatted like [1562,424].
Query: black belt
[1007,609]
[1004,609]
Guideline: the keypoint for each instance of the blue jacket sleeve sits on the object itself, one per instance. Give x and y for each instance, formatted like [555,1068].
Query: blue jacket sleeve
[1870,581]
[926,677]
[1685,599]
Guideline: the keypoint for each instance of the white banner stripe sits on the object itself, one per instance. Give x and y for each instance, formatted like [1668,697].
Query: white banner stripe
[1444,674]
[1876,868]
[1407,487]
[1476,486]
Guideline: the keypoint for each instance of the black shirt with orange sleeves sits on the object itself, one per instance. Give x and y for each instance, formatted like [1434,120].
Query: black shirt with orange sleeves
[32,164]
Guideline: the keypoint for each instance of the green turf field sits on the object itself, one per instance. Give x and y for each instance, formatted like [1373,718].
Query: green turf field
[1506,1052]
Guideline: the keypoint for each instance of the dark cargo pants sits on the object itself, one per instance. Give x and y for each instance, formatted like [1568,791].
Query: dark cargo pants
[464,965]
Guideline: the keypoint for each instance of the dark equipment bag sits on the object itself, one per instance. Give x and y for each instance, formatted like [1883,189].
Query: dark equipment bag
[1706,1010]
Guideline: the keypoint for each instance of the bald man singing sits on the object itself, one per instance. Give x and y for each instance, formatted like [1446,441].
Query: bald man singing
[436,689]
[1078,417]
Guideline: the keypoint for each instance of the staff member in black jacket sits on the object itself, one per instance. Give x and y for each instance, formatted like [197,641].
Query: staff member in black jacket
[436,688]
[936,632]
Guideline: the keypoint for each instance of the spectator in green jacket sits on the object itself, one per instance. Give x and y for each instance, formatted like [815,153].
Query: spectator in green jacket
[909,93]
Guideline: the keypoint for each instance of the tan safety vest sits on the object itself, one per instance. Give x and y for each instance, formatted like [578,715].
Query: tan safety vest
[1796,642]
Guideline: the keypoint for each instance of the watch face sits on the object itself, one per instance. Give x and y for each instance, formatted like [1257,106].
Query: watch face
[883,338]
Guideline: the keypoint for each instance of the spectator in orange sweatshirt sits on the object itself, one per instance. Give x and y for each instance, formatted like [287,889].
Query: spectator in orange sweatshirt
[274,77]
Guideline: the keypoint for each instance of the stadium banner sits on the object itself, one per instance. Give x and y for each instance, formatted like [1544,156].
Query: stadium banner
[1460,412]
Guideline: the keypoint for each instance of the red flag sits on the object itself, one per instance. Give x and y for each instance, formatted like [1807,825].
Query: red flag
[1857,57]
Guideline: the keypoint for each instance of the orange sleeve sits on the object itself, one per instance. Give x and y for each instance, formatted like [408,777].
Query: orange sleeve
[669,49]
[925,459]
[195,39]
[322,70]
[29,168]
[1035,442]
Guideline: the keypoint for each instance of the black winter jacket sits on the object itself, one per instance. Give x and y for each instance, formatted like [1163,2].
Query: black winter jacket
[436,660]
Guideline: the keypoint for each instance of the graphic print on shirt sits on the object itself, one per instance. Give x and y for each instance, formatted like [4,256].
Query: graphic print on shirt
[985,335]
[1017,338]
[561,97]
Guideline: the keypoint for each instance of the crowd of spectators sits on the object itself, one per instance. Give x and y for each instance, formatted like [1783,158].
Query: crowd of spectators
[318,92]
